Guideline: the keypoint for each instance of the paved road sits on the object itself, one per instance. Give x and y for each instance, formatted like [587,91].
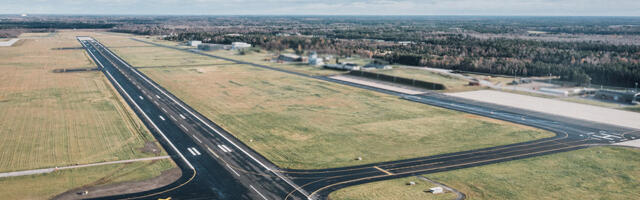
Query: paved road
[234,171]
[49,170]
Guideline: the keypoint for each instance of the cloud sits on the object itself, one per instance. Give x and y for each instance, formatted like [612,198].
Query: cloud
[327,7]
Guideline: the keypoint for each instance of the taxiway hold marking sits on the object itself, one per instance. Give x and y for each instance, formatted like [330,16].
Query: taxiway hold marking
[196,150]
[191,151]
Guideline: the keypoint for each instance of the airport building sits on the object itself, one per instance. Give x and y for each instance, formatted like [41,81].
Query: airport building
[240,45]
[194,43]
[343,66]
[376,66]
[213,47]
[289,58]
[314,60]
[619,96]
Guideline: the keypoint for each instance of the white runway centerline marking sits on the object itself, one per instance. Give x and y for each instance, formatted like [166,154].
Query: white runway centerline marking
[214,153]
[182,116]
[141,98]
[194,136]
[234,171]
[185,128]
[174,119]
[157,96]
[162,118]
[254,189]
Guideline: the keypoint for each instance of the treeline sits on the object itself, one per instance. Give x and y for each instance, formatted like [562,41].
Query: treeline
[582,62]
[53,25]
[437,41]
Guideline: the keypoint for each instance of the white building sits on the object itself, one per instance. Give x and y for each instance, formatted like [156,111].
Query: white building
[194,43]
[240,45]
[436,190]
[314,60]
[213,47]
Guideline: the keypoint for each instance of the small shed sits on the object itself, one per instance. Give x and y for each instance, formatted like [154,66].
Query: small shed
[194,43]
[436,190]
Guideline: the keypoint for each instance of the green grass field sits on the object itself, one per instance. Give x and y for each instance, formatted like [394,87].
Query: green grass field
[59,119]
[46,186]
[593,173]
[395,189]
[305,123]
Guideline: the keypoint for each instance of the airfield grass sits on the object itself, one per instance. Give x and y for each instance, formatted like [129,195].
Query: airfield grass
[452,84]
[304,123]
[395,189]
[262,57]
[56,119]
[46,186]
[59,119]
[593,173]
[43,34]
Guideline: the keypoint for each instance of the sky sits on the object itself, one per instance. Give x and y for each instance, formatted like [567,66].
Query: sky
[327,7]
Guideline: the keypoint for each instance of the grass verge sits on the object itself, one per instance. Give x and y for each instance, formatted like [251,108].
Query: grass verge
[593,173]
[46,186]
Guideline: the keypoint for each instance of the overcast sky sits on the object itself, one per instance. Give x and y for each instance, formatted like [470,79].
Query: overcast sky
[326,7]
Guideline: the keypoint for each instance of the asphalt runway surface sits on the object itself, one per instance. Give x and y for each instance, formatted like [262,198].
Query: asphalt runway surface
[216,165]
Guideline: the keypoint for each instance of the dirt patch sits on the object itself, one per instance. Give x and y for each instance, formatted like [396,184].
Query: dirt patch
[167,177]
[150,147]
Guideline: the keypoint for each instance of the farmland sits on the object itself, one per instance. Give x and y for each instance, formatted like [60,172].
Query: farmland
[304,123]
[59,119]
[594,173]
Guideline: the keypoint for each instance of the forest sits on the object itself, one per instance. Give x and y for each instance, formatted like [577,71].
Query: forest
[585,50]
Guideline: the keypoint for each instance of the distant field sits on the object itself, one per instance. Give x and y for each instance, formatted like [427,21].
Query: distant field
[453,84]
[58,119]
[594,173]
[46,186]
[304,123]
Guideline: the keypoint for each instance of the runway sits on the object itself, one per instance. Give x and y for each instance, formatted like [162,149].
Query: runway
[214,164]
[217,165]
